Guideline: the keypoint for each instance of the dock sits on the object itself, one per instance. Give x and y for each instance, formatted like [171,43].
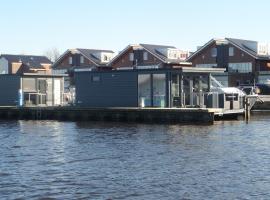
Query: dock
[144,115]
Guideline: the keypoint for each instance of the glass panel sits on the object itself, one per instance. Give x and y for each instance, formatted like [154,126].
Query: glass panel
[144,90]
[42,86]
[196,84]
[204,83]
[196,91]
[159,90]
[176,99]
[29,85]
[186,89]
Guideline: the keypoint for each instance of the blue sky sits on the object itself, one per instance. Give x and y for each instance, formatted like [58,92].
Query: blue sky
[33,26]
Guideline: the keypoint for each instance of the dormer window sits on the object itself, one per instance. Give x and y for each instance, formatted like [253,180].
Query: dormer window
[105,58]
[81,59]
[145,55]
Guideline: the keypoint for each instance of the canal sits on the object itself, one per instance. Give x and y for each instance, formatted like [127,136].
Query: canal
[71,160]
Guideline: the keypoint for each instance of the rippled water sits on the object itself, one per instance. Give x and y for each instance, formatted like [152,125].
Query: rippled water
[66,160]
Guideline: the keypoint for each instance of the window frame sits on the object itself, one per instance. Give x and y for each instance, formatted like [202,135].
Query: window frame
[131,56]
[214,52]
[231,51]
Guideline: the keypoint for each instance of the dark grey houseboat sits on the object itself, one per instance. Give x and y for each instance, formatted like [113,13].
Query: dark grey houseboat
[31,90]
[161,88]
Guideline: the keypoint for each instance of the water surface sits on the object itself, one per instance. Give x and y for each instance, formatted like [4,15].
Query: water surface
[69,160]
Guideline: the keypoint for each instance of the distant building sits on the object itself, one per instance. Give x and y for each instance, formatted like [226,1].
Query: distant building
[82,59]
[147,55]
[19,64]
[245,61]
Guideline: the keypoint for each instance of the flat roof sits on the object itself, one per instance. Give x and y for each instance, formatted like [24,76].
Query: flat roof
[44,75]
[181,69]
[203,69]
[36,75]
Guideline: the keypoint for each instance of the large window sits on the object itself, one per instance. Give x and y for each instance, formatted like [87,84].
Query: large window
[240,67]
[152,91]
[204,83]
[29,85]
[159,90]
[144,90]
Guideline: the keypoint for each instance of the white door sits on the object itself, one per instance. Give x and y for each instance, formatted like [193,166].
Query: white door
[57,92]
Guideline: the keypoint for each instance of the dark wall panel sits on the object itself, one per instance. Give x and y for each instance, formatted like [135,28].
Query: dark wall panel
[223,56]
[110,89]
[9,88]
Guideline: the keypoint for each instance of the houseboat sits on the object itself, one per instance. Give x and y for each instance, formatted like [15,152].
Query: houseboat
[184,87]
[31,90]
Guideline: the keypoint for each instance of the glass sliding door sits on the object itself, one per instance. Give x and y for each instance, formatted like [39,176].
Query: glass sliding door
[144,90]
[187,91]
[159,90]
[175,91]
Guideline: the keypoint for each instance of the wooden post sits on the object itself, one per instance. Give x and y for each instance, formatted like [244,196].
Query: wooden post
[247,108]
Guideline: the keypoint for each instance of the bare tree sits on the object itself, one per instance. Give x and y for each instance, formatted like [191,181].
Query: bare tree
[53,54]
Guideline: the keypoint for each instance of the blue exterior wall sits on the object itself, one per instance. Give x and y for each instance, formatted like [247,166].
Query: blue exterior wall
[106,89]
[9,88]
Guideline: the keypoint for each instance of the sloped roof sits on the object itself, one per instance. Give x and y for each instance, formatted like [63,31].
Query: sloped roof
[87,53]
[90,54]
[29,60]
[248,46]
[152,49]
[200,49]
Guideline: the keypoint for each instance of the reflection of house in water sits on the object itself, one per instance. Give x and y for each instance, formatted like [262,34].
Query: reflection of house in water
[31,90]
[181,87]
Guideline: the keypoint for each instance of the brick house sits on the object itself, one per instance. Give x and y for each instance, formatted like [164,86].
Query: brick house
[245,61]
[82,59]
[20,64]
[156,56]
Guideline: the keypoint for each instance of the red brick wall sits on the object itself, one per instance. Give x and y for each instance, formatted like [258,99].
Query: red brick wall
[263,65]
[204,57]
[123,60]
[64,63]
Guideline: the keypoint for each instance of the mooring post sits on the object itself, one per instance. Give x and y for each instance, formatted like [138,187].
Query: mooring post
[247,109]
